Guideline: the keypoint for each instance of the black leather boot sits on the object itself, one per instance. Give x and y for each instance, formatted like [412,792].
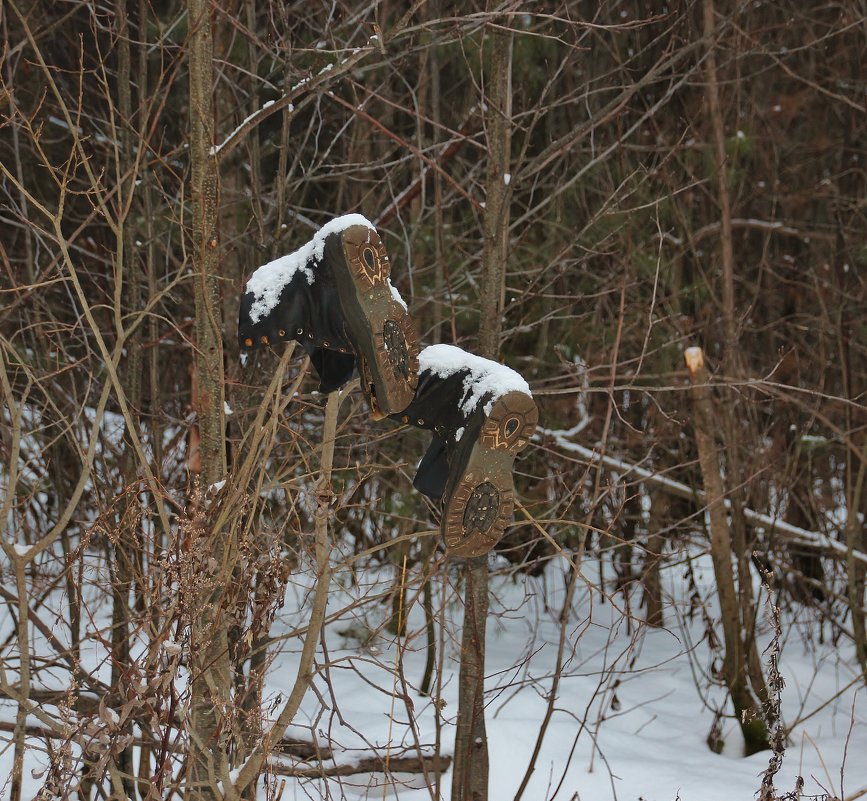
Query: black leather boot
[481,415]
[334,296]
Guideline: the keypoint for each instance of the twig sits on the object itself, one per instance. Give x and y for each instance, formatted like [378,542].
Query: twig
[304,676]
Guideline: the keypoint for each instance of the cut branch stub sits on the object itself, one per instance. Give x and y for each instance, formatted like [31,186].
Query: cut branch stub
[694,358]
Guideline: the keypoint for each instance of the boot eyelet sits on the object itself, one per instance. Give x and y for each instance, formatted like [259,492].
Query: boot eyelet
[300,331]
[309,336]
[325,344]
[421,422]
[282,333]
[248,342]
[404,419]
[264,339]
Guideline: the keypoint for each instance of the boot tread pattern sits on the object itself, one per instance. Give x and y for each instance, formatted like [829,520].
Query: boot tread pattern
[511,423]
[366,257]
[394,342]
[389,365]
[479,509]
[482,508]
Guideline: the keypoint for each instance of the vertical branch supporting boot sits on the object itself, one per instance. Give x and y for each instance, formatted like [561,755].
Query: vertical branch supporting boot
[482,415]
[334,296]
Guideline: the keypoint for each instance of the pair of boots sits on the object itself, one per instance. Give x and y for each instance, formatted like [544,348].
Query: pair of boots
[334,296]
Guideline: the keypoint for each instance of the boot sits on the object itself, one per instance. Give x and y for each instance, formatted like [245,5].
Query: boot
[481,414]
[334,296]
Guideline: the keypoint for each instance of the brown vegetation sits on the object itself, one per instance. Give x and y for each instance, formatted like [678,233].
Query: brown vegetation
[652,178]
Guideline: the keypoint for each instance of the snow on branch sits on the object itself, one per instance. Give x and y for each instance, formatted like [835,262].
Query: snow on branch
[328,74]
[372,764]
[816,539]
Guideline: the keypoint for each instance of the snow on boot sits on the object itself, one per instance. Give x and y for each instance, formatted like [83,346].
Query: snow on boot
[334,296]
[481,414]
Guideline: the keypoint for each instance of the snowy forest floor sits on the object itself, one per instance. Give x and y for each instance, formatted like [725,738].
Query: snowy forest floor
[633,710]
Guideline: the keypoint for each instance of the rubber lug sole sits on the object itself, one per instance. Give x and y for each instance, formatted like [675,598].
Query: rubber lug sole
[378,322]
[481,504]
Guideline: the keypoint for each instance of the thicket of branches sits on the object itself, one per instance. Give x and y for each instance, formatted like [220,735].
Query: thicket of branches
[679,175]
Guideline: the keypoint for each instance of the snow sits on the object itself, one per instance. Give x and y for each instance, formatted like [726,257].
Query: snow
[21,550]
[507,178]
[632,712]
[459,433]
[268,281]
[227,410]
[215,149]
[484,377]
[396,295]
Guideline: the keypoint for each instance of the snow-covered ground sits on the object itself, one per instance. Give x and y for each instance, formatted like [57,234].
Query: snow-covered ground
[632,712]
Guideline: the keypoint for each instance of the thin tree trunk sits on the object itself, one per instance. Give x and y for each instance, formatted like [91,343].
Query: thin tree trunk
[439,287]
[746,708]
[719,149]
[855,491]
[652,583]
[850,283]
[430,626]
[149,578]
[18,738]
[470,777]
[732,411]
[205,241]
[123,552]
[855,571]
[497,193]
[210,688]
[396,624]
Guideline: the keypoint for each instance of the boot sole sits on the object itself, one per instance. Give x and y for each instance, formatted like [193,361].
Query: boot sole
[380,325]
[481,505]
